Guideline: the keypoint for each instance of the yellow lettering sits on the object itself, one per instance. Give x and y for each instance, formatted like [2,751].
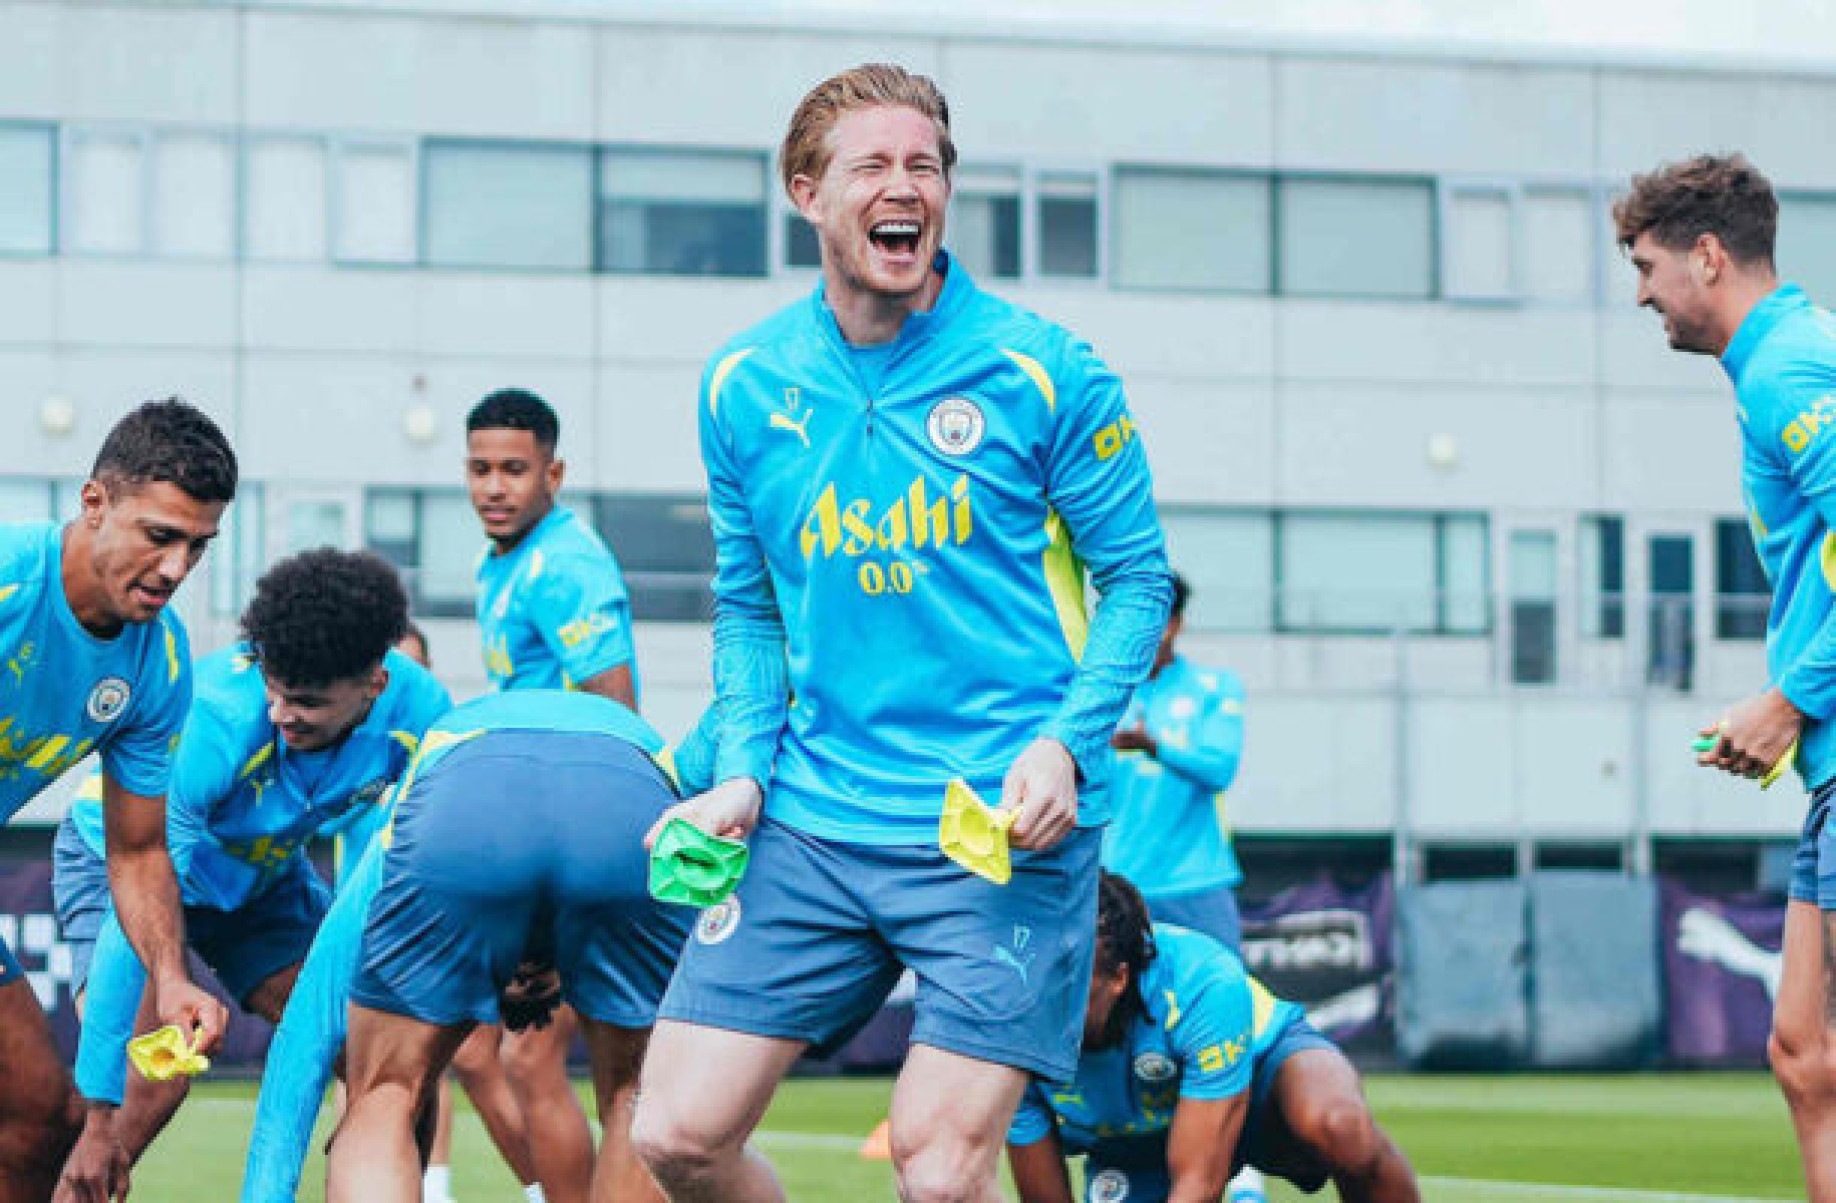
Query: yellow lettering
[891,530]
[822,526]
[959,492]
[860,531]
[872,578]
[930,523]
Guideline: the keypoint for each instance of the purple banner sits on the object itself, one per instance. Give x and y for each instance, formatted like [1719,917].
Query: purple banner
[28,924]
[1330,949]
[1721,971]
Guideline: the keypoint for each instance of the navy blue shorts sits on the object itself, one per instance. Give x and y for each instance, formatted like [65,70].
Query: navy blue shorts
[515,841]
[1211,912]
[819,931]
[1813,869]
[244,947]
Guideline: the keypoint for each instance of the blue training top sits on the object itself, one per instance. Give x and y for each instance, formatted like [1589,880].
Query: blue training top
[312,1030]
[907,561]
[1204,1024]
[1782,361]
[65,693]
[552,610]
[1166,834]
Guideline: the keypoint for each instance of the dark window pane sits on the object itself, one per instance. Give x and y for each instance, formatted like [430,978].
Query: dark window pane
[683,239]
[800,246]
[1742,593]
[666,549]
[1068,236]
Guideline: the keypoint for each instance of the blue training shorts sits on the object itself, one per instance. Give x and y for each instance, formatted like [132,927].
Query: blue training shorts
[818,931]
[1813,869]
[244,947]
[523,840]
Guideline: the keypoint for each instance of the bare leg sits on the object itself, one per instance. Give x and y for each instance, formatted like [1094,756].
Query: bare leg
[560,1142]
[40,1114]
[618,1055]
[482,1075]
[1802,1050]
[147,1107]
[695,1116]
[949,1123]
[1319,1095]
[391,1064]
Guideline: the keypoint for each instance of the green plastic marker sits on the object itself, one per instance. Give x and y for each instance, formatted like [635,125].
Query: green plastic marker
[1708,743]
[691,867]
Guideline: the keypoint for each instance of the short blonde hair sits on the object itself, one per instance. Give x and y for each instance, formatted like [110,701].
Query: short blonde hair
[806,142]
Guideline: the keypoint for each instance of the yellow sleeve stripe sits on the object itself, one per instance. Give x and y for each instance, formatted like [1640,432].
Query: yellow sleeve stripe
[7,591]
[407,739]
[1037,374]
[1262,1006]
[172,660]
[722,370]
[1064,576]
[254,762]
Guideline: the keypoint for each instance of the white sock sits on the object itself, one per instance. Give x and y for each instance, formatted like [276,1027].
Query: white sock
[1246,1187]
[533,1193]
[437,1184]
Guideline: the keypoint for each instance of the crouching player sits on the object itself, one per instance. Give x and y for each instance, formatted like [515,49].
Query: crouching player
[301,727]
[1190,1070]
[521,826]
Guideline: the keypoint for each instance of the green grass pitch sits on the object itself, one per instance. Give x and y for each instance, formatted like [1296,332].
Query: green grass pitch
[1528,1139]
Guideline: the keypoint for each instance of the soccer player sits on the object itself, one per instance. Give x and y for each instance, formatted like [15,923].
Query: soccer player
[465,896]
[301,726]
[1180,746]
[905,475]
[91,660]
[1190,1067]
[553,613]
[1700,234]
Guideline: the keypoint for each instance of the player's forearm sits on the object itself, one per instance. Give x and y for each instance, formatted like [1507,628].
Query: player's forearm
[1212,767]
[752,689]
[146,897]
[1117,655]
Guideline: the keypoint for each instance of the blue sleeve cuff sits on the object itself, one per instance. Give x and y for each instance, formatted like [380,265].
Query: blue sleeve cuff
[116,981]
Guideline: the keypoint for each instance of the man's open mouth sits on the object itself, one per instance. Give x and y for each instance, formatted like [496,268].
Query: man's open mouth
[896,237]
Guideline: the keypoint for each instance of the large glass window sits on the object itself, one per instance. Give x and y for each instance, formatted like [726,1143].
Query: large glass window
[1479,250]
[238,558]
[104,189]
[433,537]
[194,195]
[1351,237]
[28,176]
[984,226]
[1065,206]
[285,190]
[1743,596]
[1807,243]
[1190,230]
[665,549]
[374,203]
[1556,262]
[1603,577]
[685,213]
[1380,573]
[505,204]
[1229,560]
[801,247]
[1533,607]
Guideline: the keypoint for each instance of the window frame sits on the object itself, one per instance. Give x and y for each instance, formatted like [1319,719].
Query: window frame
[1448,192]
[54,209]
[1112,228]
[1283,179]
[604,151]
[70,136]
[1441,627]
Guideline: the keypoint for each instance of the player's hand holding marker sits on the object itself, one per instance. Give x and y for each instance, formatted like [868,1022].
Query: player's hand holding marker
[183,1004]
[1041,790]
[1756,739]
[730,810]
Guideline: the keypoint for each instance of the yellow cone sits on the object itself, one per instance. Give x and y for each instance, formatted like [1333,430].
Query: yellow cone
[974,834]
[164,1054]
[878,1145]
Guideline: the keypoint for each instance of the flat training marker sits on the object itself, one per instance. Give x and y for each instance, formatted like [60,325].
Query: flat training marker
[691,867]
[974,834]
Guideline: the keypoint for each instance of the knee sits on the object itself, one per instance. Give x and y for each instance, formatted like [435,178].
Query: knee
[939,1171]
[1342,1134]
[36,1140]
[678,1154]
[1804,1064]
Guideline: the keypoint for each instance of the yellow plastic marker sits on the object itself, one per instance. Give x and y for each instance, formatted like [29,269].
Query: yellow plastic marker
[165,1054]
[1706,743]
[974,834]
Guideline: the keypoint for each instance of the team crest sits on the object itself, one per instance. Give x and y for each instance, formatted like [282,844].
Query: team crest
[1155,1067]
[956,426]
[1110,1186]
[718,921]
[108,699]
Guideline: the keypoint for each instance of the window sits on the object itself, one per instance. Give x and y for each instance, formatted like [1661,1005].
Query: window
[433,537]
[28,177]
[1743,596]
[1066,224]
[1807,243]
[984,223]
[1556,259]
[1191,230]
[238,557]
[801,248]
[682,213]
[27,499]
[194,195]
[665,548]
[1351,237]
[373,203]
[1603,577]
[105,198]
[1381,573]
[512,205]
[1478,255]
[1229,560]
[1533,607]
[284,216]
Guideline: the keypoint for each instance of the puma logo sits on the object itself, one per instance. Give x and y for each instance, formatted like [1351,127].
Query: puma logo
[780,421]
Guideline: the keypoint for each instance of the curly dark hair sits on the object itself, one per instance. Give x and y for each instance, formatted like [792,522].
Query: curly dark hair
[324,616]
[1709,194]
[517,409]
[1125,939]
[170,441]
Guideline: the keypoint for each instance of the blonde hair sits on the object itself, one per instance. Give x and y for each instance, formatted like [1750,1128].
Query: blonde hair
[806,142]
